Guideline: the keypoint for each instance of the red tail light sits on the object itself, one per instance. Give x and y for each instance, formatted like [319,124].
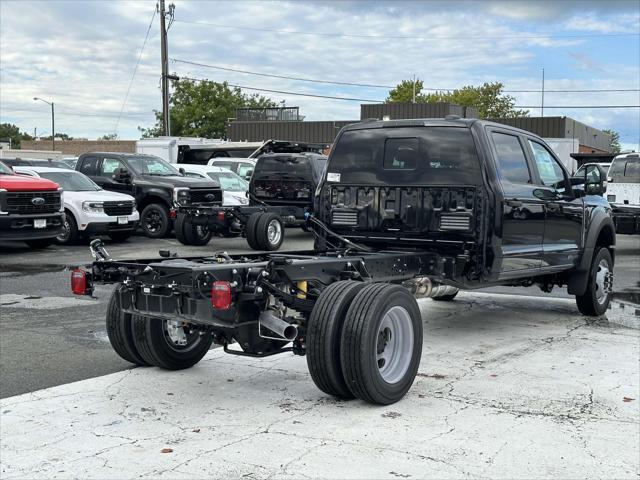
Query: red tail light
[173,214]
[79,281]
[221,215]
[221,295]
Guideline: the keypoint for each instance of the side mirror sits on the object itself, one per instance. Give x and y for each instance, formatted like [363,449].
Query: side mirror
[182,171]
[248,175]
[122,175]
[595,180]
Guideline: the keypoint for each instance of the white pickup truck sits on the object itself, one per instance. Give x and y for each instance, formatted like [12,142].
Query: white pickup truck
[89,210]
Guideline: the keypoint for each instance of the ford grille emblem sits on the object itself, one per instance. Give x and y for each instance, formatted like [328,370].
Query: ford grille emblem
[37,201]
[210,197]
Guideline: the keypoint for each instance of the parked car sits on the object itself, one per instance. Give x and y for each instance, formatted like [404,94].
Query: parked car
[157,186]
[234,188]
[623,192]
[34,162]
[31,209]
[242,166]
[89,210]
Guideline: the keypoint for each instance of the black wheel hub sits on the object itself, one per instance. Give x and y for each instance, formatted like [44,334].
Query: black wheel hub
[152,221]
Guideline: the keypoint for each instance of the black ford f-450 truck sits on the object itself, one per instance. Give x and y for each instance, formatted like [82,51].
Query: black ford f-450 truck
[405,209]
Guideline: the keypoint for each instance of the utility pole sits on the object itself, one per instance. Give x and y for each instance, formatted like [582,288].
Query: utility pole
[414,89]
[542,112]
[165,65]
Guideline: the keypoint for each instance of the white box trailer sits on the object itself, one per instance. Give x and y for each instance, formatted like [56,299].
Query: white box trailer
[194,150]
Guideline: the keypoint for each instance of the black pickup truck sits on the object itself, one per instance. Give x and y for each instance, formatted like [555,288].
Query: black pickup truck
[406,209]
[158,187]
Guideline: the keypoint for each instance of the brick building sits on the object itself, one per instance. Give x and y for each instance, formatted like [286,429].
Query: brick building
[73,148]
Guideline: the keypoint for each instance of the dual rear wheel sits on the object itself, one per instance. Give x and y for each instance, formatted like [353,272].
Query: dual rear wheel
[365,341]
[264,231]
[148,341]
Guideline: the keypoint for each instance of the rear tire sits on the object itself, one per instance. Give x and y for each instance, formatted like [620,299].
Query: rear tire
[178,229]
[40,243]
[154,220]
[156,345]
[250,230]
[324,334]
[270,232]
[381,343]
[595,300]
[195,234]
[120,332]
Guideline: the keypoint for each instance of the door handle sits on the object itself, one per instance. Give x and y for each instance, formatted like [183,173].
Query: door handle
[514,202]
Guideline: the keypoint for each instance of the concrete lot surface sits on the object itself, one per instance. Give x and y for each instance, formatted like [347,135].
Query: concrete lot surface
[509,387]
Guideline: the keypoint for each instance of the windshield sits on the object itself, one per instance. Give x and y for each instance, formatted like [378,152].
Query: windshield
[149,165]
[405,155]
[229,181]
[4,170]
[71,181]
[625,170]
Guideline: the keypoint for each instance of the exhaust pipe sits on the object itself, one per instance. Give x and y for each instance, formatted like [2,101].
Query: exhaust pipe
[278,326]
[423,287]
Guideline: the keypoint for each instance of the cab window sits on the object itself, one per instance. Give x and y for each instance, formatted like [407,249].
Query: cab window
[109,167]
[89,165]
[551,173]
[512,161]
[625,170]
[244,168]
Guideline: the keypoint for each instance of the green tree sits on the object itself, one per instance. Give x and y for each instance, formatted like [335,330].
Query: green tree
[488,98]
[109,136]
[615,140]
[202,108]
[403,93]
[11,132]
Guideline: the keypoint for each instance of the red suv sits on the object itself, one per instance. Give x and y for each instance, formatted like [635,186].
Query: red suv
[31,209]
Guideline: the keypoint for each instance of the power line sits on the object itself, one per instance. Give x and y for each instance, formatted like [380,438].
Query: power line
[135,69]
[406,37]
[299,94]
[226,69]
[370,85]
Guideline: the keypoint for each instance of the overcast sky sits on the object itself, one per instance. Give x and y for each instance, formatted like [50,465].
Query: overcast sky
[81,55]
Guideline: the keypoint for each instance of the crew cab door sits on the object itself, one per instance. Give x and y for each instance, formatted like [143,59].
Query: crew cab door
[563,211]
[107,167]
[523,217]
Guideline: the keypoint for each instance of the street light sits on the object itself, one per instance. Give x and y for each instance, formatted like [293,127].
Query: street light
[53,122]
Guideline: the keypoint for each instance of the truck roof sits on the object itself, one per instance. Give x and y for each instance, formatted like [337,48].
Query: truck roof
[429,122]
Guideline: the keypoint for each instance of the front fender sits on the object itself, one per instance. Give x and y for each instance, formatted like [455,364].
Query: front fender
[601,227]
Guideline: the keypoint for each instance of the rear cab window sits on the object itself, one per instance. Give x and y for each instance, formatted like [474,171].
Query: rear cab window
[285,165]
[89,165]
[405,156]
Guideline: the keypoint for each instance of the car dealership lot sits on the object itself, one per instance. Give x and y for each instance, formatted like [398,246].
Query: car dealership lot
[512,383]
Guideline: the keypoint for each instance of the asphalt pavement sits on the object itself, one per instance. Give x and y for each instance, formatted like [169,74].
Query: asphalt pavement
[49,337]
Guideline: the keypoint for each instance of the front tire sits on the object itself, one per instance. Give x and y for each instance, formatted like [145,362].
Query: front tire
[381,343]
[70,234]
[167,344]
[595,300]
[155,221]
[324,334]
[120,332]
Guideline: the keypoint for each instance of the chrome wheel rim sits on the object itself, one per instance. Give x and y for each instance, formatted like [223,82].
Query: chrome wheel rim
[604,281]
[394,344]
[274,232]
[178,337]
